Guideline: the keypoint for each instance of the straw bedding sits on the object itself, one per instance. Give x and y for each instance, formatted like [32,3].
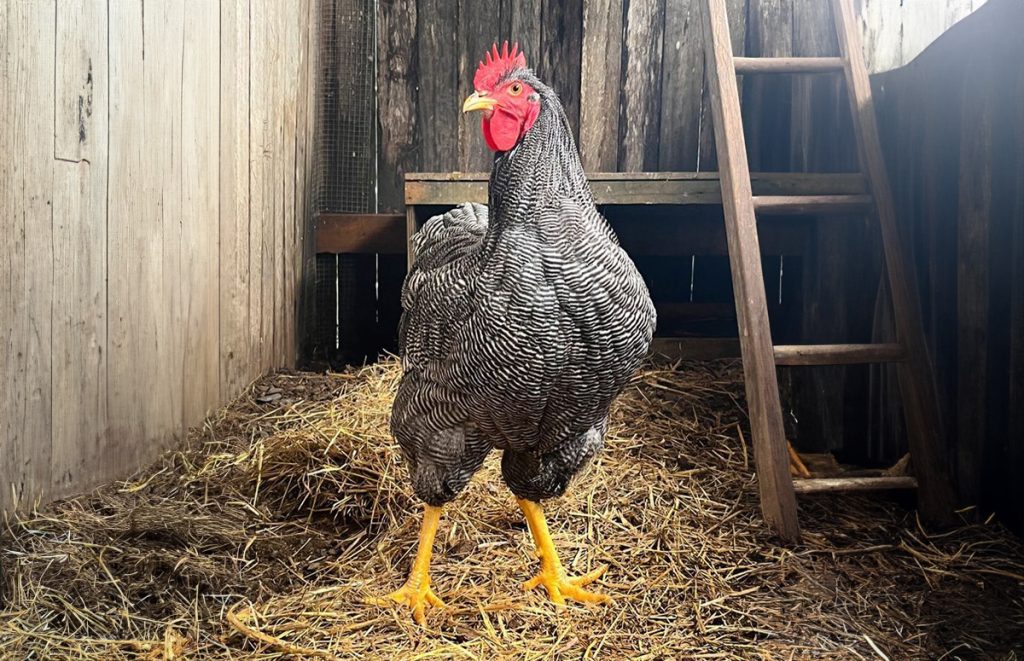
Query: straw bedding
[265,536]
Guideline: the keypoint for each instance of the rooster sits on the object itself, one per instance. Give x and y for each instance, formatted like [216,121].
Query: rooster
[522,321]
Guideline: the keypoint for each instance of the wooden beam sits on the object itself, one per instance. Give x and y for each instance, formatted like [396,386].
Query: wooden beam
[842,484]
[449,189]
[917,388]
[695,348]
[838,354]
[810,204]
[360,233]
[778,502]
[746,65]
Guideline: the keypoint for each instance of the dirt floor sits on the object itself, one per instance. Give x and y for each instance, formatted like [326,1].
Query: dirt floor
[289,509]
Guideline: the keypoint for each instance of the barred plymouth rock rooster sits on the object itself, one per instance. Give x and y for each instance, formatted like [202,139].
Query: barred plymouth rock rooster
[522,321]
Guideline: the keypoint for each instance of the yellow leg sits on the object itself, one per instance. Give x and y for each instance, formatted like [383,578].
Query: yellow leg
[416,592]
[552,575]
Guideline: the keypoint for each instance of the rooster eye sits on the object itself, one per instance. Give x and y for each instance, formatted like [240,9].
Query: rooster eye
[516,89]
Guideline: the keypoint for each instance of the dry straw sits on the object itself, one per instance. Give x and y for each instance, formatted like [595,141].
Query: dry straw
[288,509]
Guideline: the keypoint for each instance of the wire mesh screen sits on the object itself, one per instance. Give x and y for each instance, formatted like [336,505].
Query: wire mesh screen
[346,181]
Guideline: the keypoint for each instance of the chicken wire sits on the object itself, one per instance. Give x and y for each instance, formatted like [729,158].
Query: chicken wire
[346,139]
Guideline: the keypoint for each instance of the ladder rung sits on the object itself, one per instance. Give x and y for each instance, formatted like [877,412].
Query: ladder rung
[810,204]
[787,64]
[838,354]
[839,484]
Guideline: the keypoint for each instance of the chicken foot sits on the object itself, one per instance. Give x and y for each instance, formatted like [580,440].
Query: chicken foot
[416,592]
[552,575]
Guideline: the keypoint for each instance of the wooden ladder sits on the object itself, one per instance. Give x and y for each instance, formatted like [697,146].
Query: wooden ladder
[917,390]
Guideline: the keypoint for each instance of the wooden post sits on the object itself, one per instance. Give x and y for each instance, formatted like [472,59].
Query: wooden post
[917,389]
[778,501]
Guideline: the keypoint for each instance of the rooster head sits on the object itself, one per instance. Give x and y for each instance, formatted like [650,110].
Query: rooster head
[509,104]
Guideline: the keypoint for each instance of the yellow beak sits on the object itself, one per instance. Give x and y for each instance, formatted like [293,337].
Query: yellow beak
[478,101]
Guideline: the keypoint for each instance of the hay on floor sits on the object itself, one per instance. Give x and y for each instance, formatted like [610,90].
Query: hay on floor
[289,509]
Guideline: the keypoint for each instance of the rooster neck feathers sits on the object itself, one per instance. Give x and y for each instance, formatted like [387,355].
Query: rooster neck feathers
[541,170]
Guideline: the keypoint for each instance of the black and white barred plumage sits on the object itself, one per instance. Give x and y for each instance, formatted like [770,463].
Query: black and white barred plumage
[522,322]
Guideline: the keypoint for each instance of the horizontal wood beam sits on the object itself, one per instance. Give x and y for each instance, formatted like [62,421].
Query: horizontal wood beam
[810,204]
[788,64]
[359,233]
[695,348]
[838,354]
[628,188]
[844,484]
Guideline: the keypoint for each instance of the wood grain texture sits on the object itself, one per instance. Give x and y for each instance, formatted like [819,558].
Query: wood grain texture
[640,104]
[199,147]
[927,441]
[26,257]
[682,77]
[236,349]
[397,98]
[127,208]
[559,64]
[707,157]
[476,30]
[600,72]
[79,333]
[778,503]
[439,106]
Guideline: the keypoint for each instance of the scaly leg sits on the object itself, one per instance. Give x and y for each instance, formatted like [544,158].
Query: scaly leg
[552,575]
[416,592]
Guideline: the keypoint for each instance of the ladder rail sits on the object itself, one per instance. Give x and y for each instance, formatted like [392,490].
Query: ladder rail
[778,499]
[917,387]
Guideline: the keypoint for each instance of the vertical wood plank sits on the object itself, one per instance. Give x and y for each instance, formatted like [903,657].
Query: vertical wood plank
[26,250]
[641,89]
[600,75]
[262,191]
[682,77]
[561,48]
[397,99]
[235,348]
[707,156]
[438,103]
[766,98]
[973,230]
[476,34]
[79,334]
[199,146]
[292,75]
[521,23]
[145,328]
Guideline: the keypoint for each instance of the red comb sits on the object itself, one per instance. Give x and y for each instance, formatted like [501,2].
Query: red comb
[496,64]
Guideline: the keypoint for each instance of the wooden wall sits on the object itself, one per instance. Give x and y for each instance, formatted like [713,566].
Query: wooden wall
[155,194]
[953,122]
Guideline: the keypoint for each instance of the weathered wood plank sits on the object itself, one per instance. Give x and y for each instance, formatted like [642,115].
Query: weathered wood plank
[521,23]
[438,103]
[973,264]
[778,503]
[26,257]
[79,332]
[397,107]
[927,443]
[561,49]
[476,31]
[765,99]
[600,85]
[843,484]
[682,77]
[838,354]
[737,19]
[360,233]
[640,187]
[144,233]
[236,350]
[641,86]
[199,279]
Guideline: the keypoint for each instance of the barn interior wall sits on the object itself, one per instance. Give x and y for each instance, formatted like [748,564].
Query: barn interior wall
[953,124]
[153,233]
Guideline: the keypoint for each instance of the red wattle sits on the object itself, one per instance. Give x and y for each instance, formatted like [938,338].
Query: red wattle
[501,131]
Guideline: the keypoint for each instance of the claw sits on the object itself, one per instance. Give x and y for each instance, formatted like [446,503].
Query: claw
[560,586]
[416,595]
